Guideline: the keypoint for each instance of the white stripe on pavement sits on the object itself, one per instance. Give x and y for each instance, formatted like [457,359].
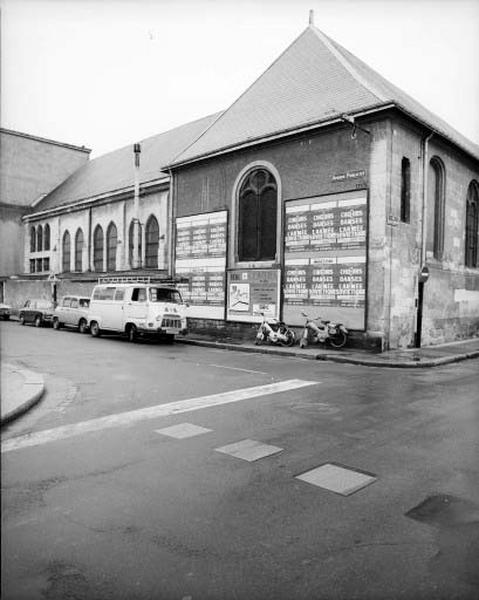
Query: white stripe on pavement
[160,410]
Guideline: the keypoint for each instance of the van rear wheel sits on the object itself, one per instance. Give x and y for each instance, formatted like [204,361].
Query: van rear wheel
[95,329]
[132,334]
[82,326]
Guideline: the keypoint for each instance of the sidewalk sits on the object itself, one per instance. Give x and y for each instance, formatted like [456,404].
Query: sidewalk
[20,390]
[430,356]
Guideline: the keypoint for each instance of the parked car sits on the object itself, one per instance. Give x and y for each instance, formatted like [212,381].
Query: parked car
[5,311]
[36,311]
[72,311]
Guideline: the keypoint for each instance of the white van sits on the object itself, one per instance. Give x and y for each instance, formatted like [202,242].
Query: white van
[136,309]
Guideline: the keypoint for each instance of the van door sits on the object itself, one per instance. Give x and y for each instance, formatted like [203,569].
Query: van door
[136,306]
[111,310]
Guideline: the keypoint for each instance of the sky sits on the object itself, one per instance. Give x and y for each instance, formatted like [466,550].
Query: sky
[107,73]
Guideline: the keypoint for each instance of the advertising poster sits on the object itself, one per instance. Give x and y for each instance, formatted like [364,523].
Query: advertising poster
[252,291]
[200,256]
[325,268]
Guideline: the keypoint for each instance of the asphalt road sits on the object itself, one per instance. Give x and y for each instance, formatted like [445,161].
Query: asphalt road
[98,504]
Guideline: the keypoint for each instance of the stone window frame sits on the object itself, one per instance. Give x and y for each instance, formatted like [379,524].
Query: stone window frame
[33,239]
[234,230]
[471,239]
[152,242]
[405,208]
[79,243]
[111,246]
[66,252]
[98,248]
[439,206]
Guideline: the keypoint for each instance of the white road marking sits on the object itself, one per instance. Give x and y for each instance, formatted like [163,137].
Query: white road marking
[183,430]
[249,450]
[152,412]
[238,369]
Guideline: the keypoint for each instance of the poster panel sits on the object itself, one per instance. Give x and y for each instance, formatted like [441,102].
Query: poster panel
[200,257]
[251,291]
[325,267]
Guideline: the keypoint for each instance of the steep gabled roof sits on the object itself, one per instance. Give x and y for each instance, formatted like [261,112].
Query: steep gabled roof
[115,171]
[313,81]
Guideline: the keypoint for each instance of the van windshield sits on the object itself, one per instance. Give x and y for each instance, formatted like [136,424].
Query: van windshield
[165,295]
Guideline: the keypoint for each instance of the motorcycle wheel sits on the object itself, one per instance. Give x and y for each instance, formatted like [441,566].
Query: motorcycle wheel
[338,339]
[303,342]
[290,338]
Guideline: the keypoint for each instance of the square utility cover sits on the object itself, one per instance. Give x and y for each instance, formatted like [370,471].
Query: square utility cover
[183,430]
[249,450]
[337,479]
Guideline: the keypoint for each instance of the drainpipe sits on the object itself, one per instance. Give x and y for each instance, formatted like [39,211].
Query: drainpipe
[136,207]
[171,225]
[422,263]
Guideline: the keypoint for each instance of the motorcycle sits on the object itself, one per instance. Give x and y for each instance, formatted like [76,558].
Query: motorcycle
[319,331]
[274,332]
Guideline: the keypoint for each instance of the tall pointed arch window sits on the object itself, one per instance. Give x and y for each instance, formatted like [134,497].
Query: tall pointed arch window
[111,243]
[46,237]
[405,190]
[257,217]
[98,248]
[33,239]
[472,225]
[79,240]
[130,242]
[152,240]
[39,238]
[436,208]
[66,253]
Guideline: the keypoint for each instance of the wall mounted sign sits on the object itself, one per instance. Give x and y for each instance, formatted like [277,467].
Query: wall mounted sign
[349,175]
[325,269]
[251,291]
[200,256]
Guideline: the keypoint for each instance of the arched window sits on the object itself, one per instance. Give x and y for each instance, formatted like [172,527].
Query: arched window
[130,242]
[152,237]
[39,238]
[66,252]
[79,250]
[472,224]
[436,208]
[46,237]
[33,239]
[405,190]
[111,242]
[257,217]
[98,248]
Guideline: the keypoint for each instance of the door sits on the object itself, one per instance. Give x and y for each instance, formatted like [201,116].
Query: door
[136,307]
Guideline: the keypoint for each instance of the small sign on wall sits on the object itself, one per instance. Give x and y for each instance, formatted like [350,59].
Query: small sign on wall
[251,292]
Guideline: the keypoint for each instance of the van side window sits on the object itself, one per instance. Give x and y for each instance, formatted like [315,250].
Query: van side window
[120,293]
[66,302]
[109,293]
[85,302]
[74,303]
[98,293]
[139,295]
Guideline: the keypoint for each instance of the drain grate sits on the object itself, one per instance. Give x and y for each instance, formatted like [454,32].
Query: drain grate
[339,479]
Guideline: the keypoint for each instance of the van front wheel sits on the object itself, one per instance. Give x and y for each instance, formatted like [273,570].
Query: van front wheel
[95,329]
[132,334]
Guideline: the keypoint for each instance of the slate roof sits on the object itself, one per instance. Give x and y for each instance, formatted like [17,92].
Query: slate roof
[115,171]
[313,80]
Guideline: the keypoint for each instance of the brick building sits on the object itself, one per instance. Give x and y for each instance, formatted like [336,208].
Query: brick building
[326,189]
[323,188]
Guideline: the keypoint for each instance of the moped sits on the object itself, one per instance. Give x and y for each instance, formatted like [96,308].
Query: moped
[274,332]
[320,331]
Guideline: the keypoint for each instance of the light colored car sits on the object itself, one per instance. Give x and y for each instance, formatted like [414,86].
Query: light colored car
[36,311]
[5,311]
[72,311]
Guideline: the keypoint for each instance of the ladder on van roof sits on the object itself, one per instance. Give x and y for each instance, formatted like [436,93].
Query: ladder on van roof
[124,279]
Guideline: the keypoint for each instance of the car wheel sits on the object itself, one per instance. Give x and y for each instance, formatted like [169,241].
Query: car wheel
[95,329]
[132,334]
[38,321]
[82,326]
[6,317]
[56,324]
[22,319]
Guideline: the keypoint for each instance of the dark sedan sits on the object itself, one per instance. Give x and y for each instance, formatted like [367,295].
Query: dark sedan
[38,312]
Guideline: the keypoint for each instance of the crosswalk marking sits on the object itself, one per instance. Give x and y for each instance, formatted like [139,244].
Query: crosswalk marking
[152,412]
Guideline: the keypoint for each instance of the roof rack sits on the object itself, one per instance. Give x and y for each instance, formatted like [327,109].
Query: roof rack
[124,279]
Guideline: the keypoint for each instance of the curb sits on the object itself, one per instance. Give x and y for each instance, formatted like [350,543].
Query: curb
[366,362]
[34,386]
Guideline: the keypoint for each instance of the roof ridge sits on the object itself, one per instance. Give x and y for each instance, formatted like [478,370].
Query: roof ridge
[240,96]
[347,65]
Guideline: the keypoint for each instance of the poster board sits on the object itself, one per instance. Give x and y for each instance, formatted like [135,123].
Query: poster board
[325,260]
[200,256]
[251,291]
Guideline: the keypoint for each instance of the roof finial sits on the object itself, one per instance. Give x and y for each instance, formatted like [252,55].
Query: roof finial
[311,18]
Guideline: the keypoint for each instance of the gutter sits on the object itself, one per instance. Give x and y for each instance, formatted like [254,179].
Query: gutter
[77,205]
